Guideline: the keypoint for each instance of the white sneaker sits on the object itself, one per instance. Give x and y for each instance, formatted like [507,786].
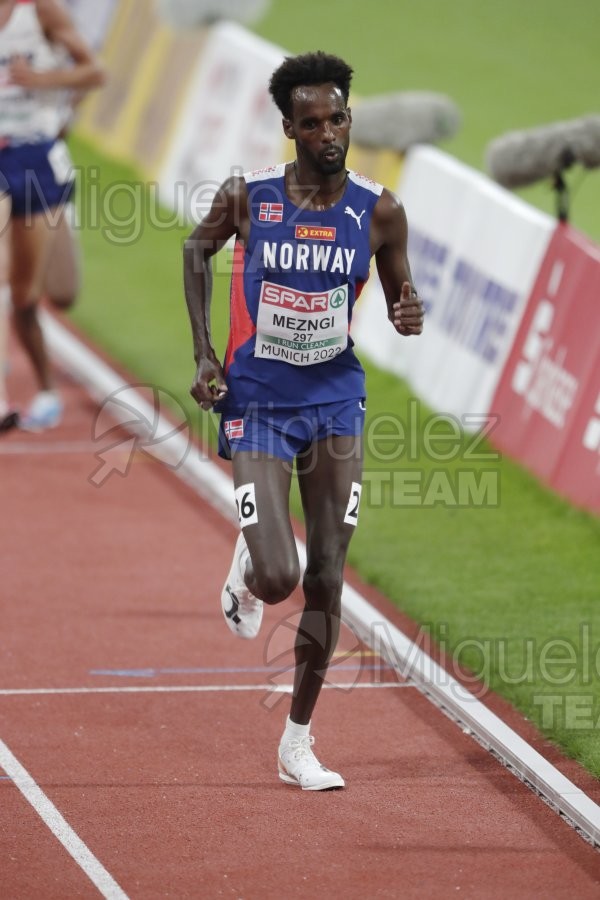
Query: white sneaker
[299,765]
[45,412]
[242,610]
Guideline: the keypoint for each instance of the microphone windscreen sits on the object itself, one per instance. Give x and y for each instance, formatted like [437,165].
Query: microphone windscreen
[519,158]
[397,121]
[195,13]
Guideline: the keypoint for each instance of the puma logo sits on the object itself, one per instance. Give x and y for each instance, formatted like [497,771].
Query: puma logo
[350,212]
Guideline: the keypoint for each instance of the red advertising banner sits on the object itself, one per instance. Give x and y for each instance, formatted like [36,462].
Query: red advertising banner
[578,472]
[548,397]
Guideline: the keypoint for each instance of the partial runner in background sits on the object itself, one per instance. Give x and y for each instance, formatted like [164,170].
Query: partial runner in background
[62,280]
[36,175]
[9,416]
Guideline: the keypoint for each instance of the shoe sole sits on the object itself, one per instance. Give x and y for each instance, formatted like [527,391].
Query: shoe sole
[230,605]
[334,783]
[230,615]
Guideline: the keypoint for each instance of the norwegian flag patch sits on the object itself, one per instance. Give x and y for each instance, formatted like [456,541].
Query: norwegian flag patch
[270,212]
[234,428]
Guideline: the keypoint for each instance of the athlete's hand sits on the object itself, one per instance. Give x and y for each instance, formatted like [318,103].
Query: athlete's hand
[209,384]
[407,313]
[21,74]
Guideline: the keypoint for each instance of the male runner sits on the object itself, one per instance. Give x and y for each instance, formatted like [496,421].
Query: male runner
[291,386]
[35,168]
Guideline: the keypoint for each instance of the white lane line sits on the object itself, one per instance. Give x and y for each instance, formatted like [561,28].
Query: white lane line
[209,482]
[192,688]
[22,448]
[59,827]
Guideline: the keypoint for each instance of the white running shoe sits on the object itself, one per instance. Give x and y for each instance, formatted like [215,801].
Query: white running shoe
[299,765]
[242,610]
[45,412]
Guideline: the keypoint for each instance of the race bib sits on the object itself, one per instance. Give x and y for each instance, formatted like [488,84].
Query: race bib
[61,163]
[299,327]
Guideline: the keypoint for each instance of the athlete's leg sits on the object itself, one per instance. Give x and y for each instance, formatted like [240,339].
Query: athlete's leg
[62,279]
[30,247]
[7,416]
[273,571]
[326,477]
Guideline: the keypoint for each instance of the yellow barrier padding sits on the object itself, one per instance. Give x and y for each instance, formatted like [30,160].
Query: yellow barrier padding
[164,109]
[117,36]
[141,92]
[131,36]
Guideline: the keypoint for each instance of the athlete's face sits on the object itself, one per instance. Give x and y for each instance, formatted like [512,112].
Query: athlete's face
[320,125]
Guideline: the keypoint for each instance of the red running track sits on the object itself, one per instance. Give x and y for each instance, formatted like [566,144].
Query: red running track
[172,786]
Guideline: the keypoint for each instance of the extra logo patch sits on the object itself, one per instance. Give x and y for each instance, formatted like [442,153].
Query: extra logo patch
[234,428]
[270,212]
[315,233]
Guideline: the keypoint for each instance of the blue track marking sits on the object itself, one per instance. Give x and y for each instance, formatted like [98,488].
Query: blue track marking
[232,670]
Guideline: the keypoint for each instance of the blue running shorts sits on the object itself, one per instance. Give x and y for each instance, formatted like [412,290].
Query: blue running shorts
[37,177]
[286,433]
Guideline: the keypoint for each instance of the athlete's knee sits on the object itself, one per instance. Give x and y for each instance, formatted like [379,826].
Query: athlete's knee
[278,581]
[322,584]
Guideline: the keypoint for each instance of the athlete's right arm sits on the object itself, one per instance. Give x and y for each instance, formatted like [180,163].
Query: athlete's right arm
[228,216]
[84,73]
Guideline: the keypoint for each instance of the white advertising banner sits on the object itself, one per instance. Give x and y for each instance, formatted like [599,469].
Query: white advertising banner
[92,19]
[475,251]
[228,123]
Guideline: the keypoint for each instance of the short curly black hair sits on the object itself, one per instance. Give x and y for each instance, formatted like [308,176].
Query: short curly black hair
[309,68]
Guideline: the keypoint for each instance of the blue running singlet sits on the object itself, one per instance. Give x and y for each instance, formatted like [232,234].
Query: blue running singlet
[293,289]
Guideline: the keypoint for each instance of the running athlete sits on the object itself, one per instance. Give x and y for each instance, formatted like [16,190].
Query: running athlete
[9,417]
[35,168]
[62,281]
[291,386]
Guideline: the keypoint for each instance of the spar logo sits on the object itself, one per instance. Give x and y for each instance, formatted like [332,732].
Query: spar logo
[541,377]
[315,233]
[287,298]
[338,298]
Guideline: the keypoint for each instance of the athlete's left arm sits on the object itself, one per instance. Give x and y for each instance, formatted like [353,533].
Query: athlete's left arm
[57,25]
[389,238]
